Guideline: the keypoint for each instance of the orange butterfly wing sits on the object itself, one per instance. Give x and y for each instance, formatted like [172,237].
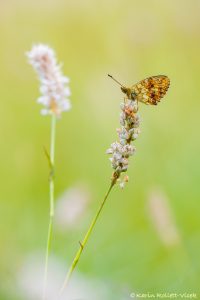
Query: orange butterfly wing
[151,89]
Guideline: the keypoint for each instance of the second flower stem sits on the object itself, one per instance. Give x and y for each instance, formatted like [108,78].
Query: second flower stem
[83,243]
[51,198]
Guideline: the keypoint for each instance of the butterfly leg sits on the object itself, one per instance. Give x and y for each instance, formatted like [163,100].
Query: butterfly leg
[125,100]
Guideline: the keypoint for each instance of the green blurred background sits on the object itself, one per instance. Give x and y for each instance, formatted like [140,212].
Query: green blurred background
[130,40]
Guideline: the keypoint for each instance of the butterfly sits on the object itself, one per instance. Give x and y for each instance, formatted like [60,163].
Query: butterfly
[148,91]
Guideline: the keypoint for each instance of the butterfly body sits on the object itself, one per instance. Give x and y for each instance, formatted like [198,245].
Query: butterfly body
[148,91]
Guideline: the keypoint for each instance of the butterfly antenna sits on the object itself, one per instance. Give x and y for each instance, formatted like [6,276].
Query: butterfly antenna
[115,79]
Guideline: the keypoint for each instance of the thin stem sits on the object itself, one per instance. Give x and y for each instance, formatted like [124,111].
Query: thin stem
[83,243]
[51,198]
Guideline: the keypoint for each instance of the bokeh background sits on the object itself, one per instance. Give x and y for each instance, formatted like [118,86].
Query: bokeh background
[148,237]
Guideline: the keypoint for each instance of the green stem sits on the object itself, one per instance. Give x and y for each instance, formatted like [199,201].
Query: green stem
[83,243]
[51,197]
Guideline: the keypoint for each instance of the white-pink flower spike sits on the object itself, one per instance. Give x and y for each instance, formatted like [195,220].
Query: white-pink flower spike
[129,131]
[54,87]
